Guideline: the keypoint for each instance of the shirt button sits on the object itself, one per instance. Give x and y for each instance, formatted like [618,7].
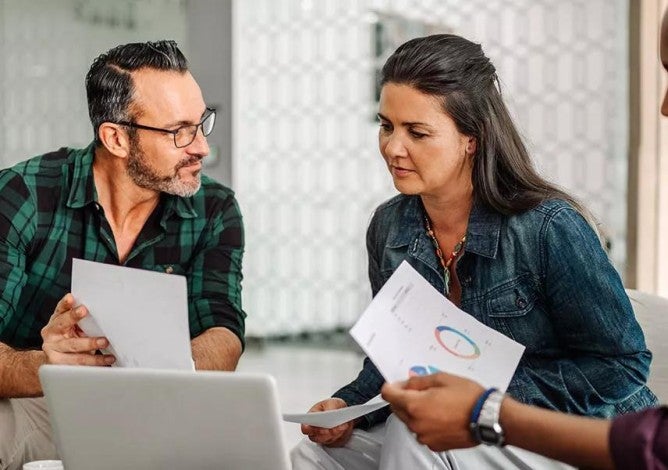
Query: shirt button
[169,269]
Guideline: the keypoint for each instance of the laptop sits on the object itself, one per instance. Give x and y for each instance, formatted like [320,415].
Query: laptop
[117,418]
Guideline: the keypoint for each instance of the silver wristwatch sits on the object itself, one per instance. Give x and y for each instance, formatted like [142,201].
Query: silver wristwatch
[487,429]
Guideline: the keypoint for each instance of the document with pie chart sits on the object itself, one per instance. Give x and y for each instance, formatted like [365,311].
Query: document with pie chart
[412,329]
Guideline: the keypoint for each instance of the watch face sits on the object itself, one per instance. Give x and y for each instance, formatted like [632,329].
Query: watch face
[485,426]
[487,434]
[490,435]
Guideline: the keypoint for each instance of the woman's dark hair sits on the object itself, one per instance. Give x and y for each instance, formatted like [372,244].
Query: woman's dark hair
[457,72]
[109,85]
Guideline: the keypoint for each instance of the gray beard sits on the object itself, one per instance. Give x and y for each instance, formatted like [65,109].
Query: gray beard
[146,177]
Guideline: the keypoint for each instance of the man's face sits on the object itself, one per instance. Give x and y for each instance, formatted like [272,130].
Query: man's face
[664,58]
[166,100]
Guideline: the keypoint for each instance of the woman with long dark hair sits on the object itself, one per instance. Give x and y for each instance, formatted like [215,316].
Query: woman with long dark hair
[505,245]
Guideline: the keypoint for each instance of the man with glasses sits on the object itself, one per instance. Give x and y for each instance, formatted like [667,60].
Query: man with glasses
[134,197]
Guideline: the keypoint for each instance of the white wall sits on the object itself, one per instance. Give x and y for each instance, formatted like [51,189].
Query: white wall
[46,49]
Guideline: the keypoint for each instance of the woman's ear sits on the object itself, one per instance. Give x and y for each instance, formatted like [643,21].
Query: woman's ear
[471,146]
[115,139]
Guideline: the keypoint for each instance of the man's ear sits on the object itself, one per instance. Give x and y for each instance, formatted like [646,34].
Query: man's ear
[115,139]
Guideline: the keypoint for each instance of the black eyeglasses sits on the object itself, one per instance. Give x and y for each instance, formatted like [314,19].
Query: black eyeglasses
[184,135]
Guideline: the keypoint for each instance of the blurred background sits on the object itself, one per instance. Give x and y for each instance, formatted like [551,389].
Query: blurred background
[295,86]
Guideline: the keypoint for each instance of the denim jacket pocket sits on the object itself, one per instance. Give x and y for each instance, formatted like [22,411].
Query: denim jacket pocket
[512,299]
[514,309]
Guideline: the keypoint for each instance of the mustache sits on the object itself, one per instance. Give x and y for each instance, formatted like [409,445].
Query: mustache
[187,162]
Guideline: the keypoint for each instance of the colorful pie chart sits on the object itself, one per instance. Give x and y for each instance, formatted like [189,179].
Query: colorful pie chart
[457,343]
[422,370]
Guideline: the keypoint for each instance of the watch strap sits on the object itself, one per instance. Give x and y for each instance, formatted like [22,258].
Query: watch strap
[486,428]
[475,414]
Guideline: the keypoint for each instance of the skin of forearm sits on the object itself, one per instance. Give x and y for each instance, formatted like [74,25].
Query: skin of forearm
[576,440]
[18,372]
[216,349]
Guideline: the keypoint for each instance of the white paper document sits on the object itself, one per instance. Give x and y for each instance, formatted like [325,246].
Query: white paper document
[332,418]
[412,329]
[143,314]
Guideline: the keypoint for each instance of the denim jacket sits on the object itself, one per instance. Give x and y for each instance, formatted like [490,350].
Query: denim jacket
[542,279]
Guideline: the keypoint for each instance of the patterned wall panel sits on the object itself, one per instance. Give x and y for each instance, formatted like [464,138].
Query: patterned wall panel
[307,169]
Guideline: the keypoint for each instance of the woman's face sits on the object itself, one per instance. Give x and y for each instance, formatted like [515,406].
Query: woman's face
[422,147]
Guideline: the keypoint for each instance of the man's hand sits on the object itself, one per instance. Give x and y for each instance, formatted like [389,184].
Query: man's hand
[65,343]
[335,437]
[437,408]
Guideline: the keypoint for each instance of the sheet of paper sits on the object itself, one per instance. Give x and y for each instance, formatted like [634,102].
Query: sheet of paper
[143,314]
[332,418]
[412,329]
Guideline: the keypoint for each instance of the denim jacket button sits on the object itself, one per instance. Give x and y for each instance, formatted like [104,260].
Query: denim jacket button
[521,302]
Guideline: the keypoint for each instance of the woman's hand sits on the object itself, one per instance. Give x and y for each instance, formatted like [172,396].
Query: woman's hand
[334,437]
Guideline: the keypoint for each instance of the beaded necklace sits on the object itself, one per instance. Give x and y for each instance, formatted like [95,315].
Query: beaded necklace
[444,263]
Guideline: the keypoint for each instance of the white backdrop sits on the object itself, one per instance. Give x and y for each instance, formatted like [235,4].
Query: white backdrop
[306,165]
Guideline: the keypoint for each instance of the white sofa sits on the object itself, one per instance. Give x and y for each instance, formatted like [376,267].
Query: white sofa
[652,314]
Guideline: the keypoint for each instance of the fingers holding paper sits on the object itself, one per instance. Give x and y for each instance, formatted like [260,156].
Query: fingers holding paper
[333,437]
[437,408]
[65,343]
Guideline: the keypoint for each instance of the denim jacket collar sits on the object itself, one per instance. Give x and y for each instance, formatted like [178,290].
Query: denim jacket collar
[484,231]
[482,234]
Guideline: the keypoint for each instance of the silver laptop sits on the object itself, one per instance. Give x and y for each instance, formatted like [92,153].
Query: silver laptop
[115,418]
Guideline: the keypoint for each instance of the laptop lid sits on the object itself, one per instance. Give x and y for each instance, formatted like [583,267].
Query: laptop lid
[115,418]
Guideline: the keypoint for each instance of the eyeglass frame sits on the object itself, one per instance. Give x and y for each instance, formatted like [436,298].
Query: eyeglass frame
[174,132]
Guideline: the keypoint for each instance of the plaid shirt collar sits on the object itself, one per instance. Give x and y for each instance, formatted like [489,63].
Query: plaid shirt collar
[82,186]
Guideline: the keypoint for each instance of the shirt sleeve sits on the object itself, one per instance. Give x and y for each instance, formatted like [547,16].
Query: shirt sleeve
[17,228]
[640,440]
[605,364]
[366,386]
[215,275]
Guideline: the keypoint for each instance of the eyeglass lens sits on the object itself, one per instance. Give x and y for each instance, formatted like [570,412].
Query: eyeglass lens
[186,134]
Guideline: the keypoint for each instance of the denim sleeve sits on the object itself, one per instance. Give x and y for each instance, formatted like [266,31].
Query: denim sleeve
[606,360]
[366,386]
[369,381]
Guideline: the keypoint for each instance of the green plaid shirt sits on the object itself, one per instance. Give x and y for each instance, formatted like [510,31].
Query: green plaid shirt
[49,214]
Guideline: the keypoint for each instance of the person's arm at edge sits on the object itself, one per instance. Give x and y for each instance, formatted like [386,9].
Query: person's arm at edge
[576,440]
[18,372]
[438,408]
[18,368]
[216,349]
[214,286]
